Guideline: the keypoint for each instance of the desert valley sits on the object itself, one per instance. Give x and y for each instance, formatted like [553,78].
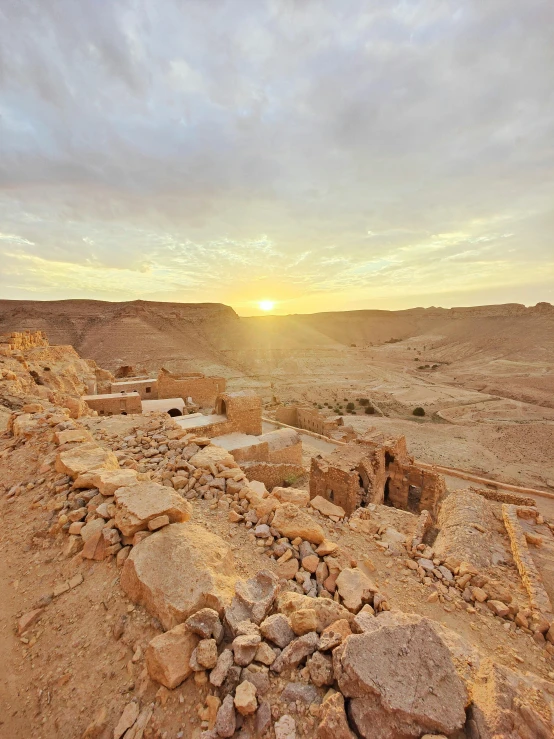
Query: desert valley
[334,525]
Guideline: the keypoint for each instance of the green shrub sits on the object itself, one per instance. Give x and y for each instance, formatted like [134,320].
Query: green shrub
[418,411]
[350,406]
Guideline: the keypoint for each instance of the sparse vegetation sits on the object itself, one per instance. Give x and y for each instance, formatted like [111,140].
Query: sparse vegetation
[350,406]
[363,401]
[370,410]
[418,411]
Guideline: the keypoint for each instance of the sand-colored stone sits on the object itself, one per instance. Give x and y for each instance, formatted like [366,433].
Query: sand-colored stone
[299,497]
[328,611]
[212,455]
[292,522]
[178,570]
[72,435]
[84,458]
[141,502]
[108,481]
[326,508]
[167,656]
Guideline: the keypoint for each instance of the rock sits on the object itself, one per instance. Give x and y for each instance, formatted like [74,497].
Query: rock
[157,523]
[303,621]
[326,508]
[28,619]
[263,719]
[206,624]
[245,648]
[219,673]
[232,679]
[108,481]
[320,667]
[225,723]
[299,497]
[328,611]
[277,629]
[97,726]
[178,570]
[83,458]
[258,676]
[71,436]
[101,544]
[295,652]
[245,698]
[285,728]
[127,719]
[292,522]
[333,723]
[498,608]
[393,536]
[91,528]
[363,620]
[354,587]
[310,563]
[287,570]
[326,547]
[253,599]
[334,635]
[300,692]
[478,594]
[401,691]
[206,653]
[168,655]
[138,504]
[211,456]
[265,654]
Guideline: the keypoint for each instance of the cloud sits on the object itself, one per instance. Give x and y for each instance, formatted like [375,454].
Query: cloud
[325,153]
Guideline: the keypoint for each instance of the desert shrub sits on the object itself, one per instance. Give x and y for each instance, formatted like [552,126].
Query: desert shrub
[350,406]
[363,401]
[418,411]
[370,410]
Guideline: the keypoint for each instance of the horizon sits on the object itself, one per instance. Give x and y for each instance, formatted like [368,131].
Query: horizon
[284,157]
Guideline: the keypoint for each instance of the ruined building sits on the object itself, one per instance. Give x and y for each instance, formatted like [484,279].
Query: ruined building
[371,471]
[310,419]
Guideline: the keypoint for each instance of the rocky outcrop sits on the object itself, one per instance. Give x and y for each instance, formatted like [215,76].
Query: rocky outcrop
[178,570]
[401,680]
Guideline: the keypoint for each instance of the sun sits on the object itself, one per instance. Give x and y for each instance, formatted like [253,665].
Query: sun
[266,305]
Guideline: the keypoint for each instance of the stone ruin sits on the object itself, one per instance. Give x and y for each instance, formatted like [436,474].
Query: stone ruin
[368,471]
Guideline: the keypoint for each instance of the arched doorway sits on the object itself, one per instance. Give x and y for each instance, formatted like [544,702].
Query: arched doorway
[174,412]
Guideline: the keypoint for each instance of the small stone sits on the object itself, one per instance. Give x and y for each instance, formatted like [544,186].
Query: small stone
[224,663]
[478,594]
[245,698]
[320,667]
[303,621]
[225,723]
[205,623]
[277,629]
[498,608]
[285,728]
[28,620]
[265,654]
[159,522]
[310,563]
[206,653]
[127,719]
[295,652]
[245,648]
[334,635]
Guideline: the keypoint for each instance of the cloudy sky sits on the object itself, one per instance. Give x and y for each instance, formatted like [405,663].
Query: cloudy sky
[322,154]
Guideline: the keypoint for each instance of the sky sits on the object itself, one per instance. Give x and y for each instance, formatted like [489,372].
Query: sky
[315,154]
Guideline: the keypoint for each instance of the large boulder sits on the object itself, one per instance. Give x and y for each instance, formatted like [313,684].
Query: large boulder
[139,503]
[178,570]
[212,455]
[85,457]
[292,522]
[401,679]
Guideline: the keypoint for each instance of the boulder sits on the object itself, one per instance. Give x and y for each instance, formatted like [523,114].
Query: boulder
[300,498]
[168,655]
[401,679]
[253,599]
[292,522]
[328,611]
[333,723]
[71,436]
[354,588]
[178,570]
[141,502]
[84,458]
[326,508]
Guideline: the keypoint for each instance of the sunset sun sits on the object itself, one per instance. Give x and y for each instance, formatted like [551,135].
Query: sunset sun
[266,305]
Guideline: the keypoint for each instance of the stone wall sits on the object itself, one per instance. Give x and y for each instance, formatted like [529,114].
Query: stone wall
[273,475]
[19,341]
[288,414]
[243,410]
[114,405]
[287,455]
[413,489]
[307,418]
[203,390]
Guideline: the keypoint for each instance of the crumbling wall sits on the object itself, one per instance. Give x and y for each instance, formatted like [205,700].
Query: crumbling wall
[413,489]
[273,475]
[19,341]
[339,486]
[243,410]
[203,390]
[284,446]
[288,414]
